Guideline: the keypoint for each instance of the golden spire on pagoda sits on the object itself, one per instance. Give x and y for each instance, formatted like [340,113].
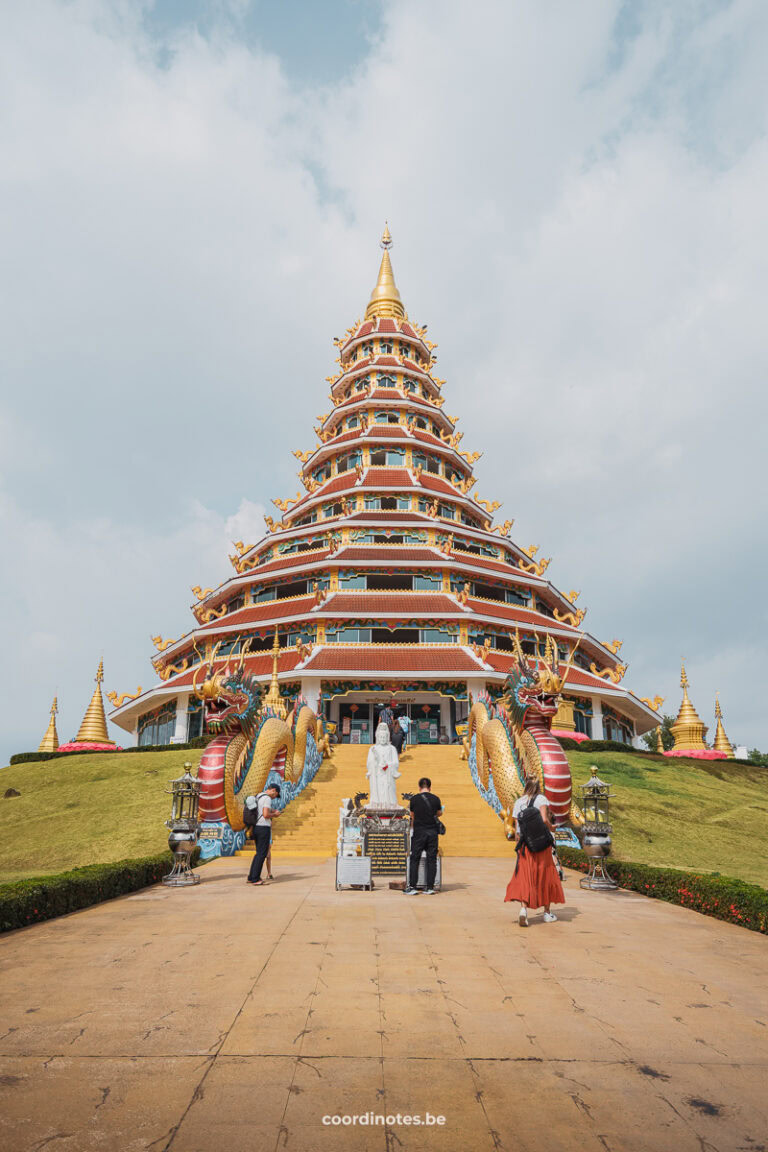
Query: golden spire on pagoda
[721,742]
[688,730]
[50,741]
[94,726]
[659,741]
[273,699]
[385,298]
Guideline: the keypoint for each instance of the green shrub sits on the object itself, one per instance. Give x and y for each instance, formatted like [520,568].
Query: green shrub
[720,896]
[28,757]
[24,902]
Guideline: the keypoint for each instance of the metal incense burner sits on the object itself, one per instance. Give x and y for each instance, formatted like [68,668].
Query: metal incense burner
[595,803]
[184,827]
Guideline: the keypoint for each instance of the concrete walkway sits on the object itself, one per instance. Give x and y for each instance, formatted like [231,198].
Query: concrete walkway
[227,1018]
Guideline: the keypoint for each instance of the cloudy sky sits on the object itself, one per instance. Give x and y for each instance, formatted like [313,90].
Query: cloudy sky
[191,196]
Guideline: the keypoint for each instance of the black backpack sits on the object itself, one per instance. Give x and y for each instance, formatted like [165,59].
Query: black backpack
[534,833]
[251,815]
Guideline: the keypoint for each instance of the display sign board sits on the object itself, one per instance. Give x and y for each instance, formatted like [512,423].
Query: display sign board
[566,837]
[353,870]
[388,852]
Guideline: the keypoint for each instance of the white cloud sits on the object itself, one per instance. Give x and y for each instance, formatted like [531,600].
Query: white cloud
[577,210]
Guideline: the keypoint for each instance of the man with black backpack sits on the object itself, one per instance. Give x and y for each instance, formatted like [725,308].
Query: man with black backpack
[425,829]
[258,814]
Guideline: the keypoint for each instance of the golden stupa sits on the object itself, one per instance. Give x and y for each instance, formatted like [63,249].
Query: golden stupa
[385,298]
[721,742]
[273,699]
[659,741]
[50,742]
[688,730]
[93,729]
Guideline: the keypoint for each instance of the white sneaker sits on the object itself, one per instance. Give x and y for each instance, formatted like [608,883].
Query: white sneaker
[549,917]
[429,891]
[523,918]
[411,891]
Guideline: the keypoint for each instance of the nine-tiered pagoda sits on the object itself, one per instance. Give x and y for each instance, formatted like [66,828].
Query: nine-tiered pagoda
[387,577]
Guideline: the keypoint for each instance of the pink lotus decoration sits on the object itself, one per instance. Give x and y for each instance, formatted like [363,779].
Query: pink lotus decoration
[83,746]
[700,754]
[577,736]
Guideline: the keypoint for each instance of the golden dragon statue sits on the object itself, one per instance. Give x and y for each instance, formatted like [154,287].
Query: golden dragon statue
[511,740]
[254,742]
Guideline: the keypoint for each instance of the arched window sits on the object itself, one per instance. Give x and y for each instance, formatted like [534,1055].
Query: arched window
[384,381]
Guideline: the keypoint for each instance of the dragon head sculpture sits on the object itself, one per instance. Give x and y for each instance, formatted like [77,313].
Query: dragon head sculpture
[533,686]
[231,696]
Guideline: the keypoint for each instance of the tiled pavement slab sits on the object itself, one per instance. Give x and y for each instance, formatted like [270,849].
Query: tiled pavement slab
[225,1017]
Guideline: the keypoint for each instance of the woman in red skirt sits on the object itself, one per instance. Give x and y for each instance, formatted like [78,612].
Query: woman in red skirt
[535,882]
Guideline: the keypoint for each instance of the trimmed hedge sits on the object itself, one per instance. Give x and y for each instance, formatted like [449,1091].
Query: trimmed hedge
[720,896]
[28,757]
[24,902]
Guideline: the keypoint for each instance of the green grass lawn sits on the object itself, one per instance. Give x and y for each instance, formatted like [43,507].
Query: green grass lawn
[700,815]
[88,809]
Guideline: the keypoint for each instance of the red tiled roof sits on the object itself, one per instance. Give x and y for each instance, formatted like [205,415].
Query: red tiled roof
[388,361]
[412,365]
[388,478]
[392,553]
[436,484]
[405,659]
[295,559]
[577,677]
[260,665]
[408,330]
[386,325]
[365,328]
[254,613]
[376,430]
[402,603]
[485,561]
[514,613]
[337,484]
[386,394]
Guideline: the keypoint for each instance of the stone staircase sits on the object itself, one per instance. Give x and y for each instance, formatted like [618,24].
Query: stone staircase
[309,825]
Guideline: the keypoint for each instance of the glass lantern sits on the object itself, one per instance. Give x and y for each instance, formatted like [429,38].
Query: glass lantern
[184,826]
[596,806]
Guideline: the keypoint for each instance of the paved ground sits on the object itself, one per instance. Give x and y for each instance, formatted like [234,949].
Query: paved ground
[227,1018]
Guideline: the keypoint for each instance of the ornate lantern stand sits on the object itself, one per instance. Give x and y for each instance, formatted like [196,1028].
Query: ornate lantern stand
[595,803]
[184,828]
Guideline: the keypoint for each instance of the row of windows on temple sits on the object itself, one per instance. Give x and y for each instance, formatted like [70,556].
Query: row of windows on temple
[380,536]
[386,457]
[365,383]
[377,502]
[386,632]
[159,726]
[352,581]
[385,348]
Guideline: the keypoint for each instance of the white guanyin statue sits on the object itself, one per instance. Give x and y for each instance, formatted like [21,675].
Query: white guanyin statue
[382,771]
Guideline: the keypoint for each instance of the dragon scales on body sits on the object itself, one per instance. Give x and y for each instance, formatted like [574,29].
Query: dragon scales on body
[509,741]
[252,746]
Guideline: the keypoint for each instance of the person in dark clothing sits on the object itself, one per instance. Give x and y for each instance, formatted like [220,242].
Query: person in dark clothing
[396,735]
[425,810]
[262,830]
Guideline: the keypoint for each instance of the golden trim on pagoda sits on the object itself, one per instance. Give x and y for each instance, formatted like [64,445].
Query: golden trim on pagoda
[688,730]
[385,298]
[721,742]
[93,729]
[273,700]
[50,742]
